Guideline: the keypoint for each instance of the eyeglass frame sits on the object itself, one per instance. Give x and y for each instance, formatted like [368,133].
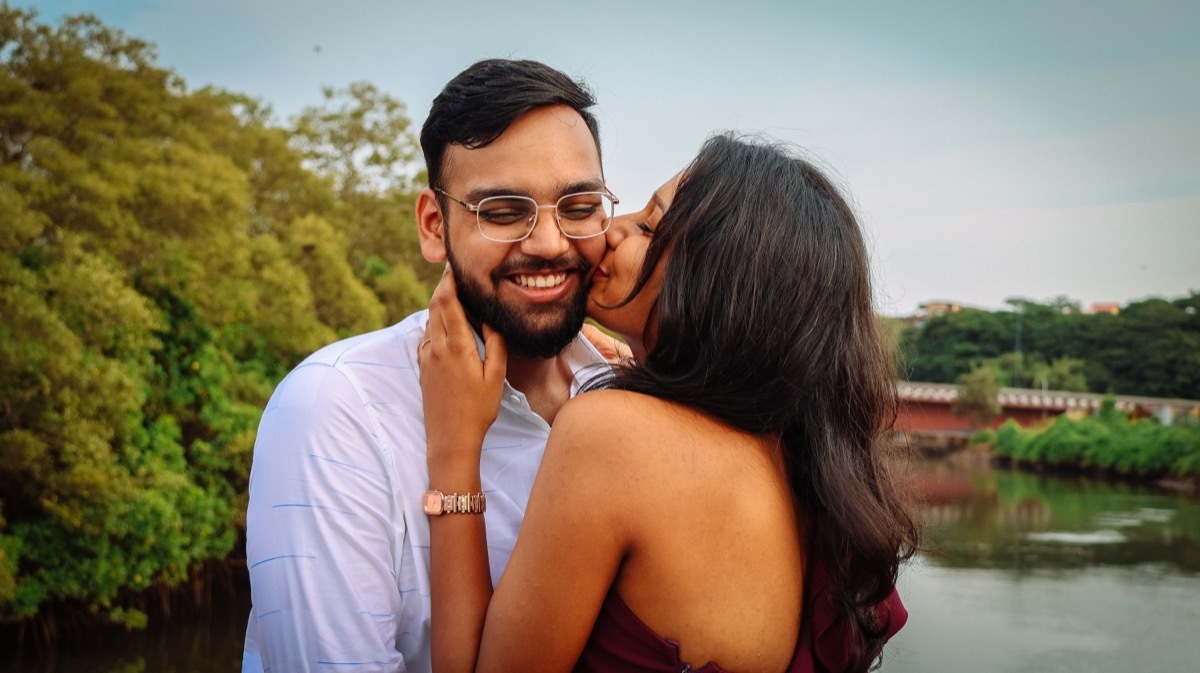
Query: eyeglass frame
[474,208]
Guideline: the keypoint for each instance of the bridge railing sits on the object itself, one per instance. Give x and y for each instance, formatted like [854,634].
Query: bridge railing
[1058,401]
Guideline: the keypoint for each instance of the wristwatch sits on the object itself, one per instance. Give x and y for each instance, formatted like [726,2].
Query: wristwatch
[437,503]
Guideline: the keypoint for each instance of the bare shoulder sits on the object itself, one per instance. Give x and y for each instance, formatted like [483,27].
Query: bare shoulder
[636,437]
[614,420]
[612,457]
[601,404]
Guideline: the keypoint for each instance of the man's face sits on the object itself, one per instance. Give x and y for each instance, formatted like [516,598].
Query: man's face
[534,291]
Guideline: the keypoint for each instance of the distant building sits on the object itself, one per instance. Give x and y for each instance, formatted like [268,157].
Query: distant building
[1104,307]
[929,310]
[933,309]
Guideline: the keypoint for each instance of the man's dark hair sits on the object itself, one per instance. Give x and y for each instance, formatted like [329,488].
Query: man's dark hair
[480,103]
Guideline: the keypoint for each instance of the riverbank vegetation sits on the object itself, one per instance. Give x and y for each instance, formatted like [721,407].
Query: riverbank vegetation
[166,255]
[1108,442]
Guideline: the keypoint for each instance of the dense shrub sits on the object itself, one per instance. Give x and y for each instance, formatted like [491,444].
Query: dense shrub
[1108,441]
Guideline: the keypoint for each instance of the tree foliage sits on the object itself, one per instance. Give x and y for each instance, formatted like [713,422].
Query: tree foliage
[1151,347]
[978,396]
[165,257]
[361,139]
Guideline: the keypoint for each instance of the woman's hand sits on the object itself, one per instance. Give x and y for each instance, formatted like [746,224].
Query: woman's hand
[461,393]
[610,348]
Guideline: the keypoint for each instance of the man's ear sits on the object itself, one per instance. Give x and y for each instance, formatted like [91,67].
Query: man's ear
[431,227]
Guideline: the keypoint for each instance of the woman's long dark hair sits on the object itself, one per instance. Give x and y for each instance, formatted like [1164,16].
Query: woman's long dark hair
[765,321]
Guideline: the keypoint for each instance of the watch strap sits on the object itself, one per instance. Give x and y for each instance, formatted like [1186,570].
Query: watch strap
[437,503]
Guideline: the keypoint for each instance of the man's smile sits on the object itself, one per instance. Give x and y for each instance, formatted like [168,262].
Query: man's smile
[541,280]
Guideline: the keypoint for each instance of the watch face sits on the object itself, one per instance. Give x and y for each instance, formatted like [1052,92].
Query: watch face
[432,502]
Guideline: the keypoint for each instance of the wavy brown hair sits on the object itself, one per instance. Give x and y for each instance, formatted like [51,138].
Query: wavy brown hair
[765,321]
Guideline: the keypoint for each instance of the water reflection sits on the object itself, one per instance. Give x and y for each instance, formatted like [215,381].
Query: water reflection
[201,640]
[1033,572]
[1022,522]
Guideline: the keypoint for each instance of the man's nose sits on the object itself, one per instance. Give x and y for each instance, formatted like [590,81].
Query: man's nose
[546,240]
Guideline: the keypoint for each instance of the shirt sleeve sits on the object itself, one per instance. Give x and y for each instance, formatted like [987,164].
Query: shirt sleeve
[321,531]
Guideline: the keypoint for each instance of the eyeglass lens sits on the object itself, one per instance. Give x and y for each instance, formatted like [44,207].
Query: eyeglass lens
[512,217]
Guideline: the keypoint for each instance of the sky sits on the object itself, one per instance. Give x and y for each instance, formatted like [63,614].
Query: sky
[993,150]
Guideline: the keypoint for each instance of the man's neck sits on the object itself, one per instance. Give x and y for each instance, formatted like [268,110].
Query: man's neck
[546,383]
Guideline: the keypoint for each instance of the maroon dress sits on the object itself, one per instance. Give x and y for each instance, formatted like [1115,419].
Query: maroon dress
[620,642]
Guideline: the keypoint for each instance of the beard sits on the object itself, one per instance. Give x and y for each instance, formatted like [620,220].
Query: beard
[530,331]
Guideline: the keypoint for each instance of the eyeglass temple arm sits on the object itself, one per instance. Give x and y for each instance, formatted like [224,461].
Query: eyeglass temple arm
[464,204]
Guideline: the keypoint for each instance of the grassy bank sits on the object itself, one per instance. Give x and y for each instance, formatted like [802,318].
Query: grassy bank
[1108,442]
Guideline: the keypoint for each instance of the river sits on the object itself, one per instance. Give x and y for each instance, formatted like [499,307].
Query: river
[1038,573]
[1026,573]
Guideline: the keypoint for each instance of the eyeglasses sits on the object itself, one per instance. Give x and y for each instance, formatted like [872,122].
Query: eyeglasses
[508,219]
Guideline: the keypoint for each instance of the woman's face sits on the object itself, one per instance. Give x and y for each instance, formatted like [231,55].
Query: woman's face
[628,238]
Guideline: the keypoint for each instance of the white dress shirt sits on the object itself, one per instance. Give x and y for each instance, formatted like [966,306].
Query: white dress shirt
[337,542]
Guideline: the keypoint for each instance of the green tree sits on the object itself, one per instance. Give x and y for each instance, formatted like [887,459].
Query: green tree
[360,139]
[1151,347]
[897,340]
[978,396]
[1061,374]
[165,257]
[949,345]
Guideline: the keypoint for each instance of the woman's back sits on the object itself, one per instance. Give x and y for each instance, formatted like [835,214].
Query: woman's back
[713,557]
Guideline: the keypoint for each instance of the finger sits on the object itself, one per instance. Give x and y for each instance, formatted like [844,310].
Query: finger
[424,344]
[442,303]
[598,339]
[445,284]
[495,355]
[450,315]
[435,329]
[609,347]
[623,350]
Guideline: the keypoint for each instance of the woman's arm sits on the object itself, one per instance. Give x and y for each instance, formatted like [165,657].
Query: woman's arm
[461,398]
[573,537]
[575,534]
